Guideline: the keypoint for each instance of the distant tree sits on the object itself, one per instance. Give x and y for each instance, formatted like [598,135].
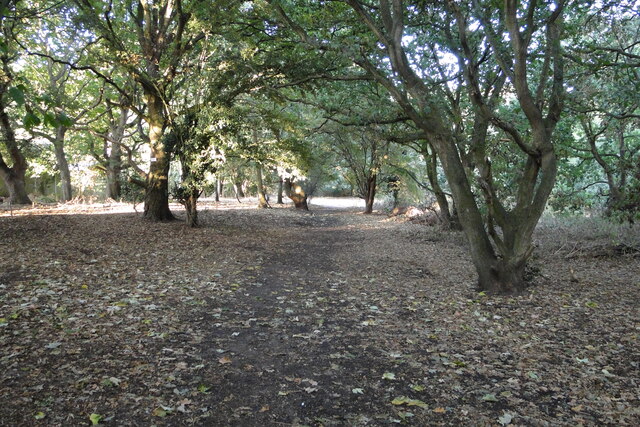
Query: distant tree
[604,102]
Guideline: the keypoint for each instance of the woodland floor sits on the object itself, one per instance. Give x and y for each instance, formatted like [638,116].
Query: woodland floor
[277,317]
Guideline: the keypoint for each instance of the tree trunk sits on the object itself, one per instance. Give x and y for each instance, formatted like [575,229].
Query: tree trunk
[218,189]
[113,164]
[156,202]
[492,276]
[446,218]
[114,186]
[237,187]
[14,176]
[280,190]
[16,186]
[296,193]
[63,165]
[370,193]
[191,204]
[114,167]
[262,197]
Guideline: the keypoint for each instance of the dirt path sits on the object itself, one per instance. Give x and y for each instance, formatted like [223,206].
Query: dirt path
[281,318]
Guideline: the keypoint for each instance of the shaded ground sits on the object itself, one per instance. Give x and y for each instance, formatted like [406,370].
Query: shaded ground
[277,317]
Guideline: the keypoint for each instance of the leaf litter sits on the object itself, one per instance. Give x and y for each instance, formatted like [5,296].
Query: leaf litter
[262,317]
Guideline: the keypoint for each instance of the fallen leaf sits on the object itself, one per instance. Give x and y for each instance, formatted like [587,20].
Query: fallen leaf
[159,412]
[404,400]
[439,410]
[95,419]
[224,360]
[490,397]
[388,376]
[505,419]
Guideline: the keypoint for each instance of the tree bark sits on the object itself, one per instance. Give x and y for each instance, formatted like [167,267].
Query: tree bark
[218,190]
[296,193]
[114,185]
[370,195]
[114,168]
[156,202]
[237,187]
[262,197]
[63,165]
[13,176]
[113,164]
[190,205]
[280,190]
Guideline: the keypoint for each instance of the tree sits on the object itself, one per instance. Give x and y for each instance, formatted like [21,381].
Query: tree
[604,103]
[390,50]
[64,103]
[122,134]
[152,41]
[13,174]
[363,152]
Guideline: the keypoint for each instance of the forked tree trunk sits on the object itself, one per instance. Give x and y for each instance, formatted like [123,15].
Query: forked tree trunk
[370,195]
[296,193]
[262,197]
[500,270]
[237,187]
[482,253]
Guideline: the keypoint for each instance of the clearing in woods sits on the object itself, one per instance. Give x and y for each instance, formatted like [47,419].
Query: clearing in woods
[277,317]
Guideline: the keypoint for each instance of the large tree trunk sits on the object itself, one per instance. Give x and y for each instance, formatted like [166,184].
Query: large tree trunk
[114,167]
[296,193]
[14,176]
[113,163]
[15,182]
[114,185]
[482,253]
[262,197]
[370,195]
[156,202]
[63,165]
